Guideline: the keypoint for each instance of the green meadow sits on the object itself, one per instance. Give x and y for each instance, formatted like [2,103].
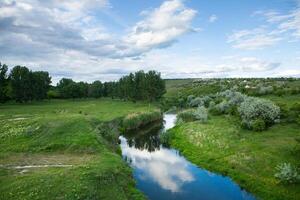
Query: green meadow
[54,150]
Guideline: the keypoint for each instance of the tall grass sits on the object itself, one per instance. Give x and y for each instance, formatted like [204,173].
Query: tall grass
[140,119]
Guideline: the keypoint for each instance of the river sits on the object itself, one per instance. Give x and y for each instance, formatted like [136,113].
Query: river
[162,173]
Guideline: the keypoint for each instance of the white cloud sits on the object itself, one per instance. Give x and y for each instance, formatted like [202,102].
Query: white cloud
[258,38]
[213,18]
[66,38]
[278,27]
[162,26]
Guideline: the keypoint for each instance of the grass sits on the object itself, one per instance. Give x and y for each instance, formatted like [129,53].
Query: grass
[63,132]
[248,157]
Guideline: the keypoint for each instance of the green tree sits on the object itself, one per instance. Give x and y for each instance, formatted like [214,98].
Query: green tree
[21,84]
[3,83]
[96,89]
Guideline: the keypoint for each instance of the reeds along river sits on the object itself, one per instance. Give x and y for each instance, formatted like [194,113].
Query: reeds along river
[162,173]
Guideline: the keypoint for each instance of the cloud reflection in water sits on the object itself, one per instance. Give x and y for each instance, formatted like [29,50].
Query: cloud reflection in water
[164,166]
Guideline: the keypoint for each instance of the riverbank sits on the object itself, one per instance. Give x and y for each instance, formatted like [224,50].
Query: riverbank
[57,150]
[249,158]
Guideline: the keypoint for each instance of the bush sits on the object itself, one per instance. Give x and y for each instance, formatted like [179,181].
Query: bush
[190,98]
[258,125]
[196,102]
[255,108]
[206,100]
[53,94]
[201,114]
[286,173]
[223,107]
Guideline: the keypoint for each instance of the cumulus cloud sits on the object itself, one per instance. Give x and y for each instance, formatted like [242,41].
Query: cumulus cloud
[67,37]
[161,27]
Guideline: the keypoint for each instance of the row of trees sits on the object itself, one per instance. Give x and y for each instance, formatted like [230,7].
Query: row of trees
[22,85]
[135,86]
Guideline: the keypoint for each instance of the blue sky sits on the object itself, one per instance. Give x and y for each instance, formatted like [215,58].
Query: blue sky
[105,39]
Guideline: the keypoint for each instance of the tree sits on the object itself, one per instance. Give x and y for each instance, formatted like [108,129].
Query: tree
[20,84]
[40,83]
[63,86]
[3,83]
[96,89]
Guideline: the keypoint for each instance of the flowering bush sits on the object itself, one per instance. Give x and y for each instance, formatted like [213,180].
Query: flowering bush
[223,107]
[255,108]
[201,114]
[196,102]
[286,173]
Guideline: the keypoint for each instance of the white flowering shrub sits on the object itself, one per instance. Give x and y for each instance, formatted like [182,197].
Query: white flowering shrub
[206,100]
[223,107]
[196,102]
[257,108]
[201,114]
[286,173]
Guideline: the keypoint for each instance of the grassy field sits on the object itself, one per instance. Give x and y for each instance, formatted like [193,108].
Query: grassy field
[248,157]
[52,150]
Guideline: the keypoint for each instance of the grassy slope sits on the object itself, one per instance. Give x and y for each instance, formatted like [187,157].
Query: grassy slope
[62,132]
[247,157]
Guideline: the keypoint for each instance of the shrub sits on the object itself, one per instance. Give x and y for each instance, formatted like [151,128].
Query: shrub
[256,108]
[196,102]
[190,98]
[223,107]
[258,125]
[286,173]
[206,100]
[201,114]
[181,102]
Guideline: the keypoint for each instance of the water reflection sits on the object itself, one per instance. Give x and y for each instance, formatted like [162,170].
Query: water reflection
[146,138]
[163,166]
[162,173]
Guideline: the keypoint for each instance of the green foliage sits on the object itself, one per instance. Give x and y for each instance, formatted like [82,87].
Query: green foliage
[3,83]
[255,108]
[201,114]
[27,85]
[186,115]
[258,124]
[198,101]
[287,174]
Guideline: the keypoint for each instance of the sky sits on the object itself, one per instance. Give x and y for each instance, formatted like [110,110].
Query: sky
[89,40]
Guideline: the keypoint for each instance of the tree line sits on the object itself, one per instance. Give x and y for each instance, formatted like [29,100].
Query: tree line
[23,85]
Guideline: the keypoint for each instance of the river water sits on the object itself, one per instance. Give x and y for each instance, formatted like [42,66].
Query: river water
[162,173]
